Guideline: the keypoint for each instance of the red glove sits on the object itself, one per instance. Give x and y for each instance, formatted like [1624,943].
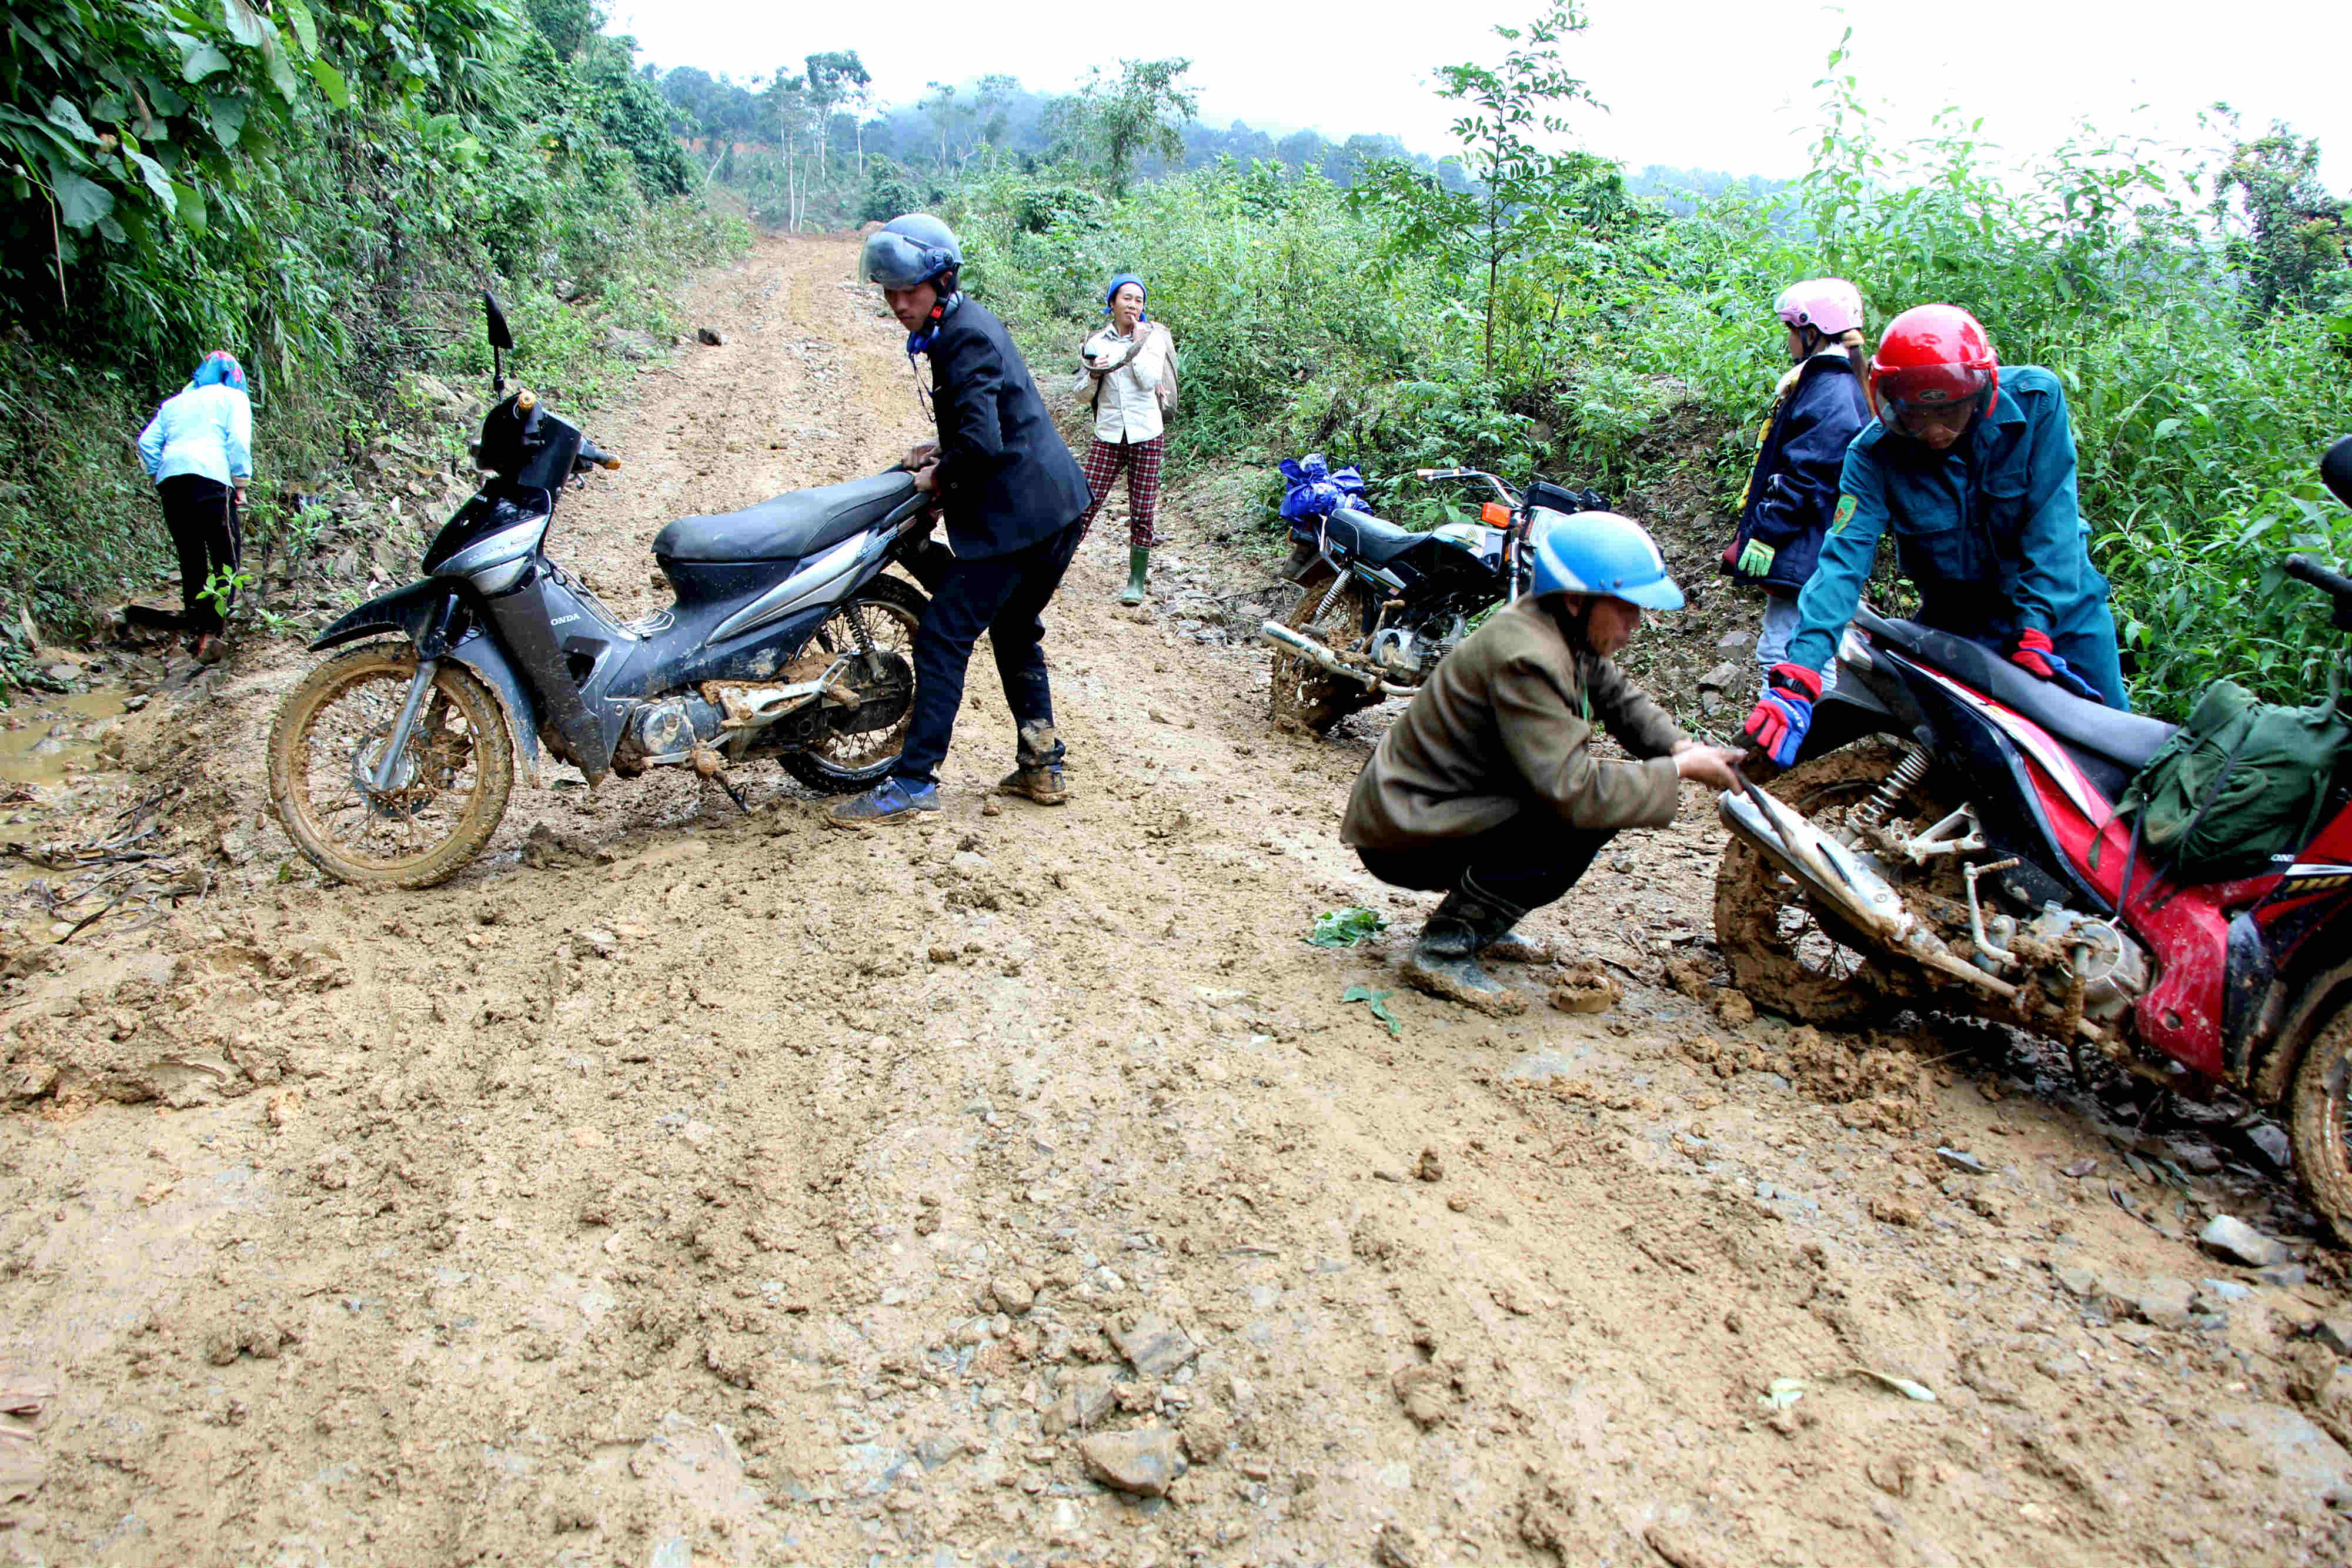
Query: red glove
[1779,722]
[2034,653]
[2031,653]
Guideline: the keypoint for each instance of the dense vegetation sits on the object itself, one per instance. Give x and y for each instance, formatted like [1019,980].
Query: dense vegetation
[322,190]
[1542,315]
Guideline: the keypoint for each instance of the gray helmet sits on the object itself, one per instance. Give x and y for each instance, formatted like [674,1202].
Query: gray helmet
[909,250]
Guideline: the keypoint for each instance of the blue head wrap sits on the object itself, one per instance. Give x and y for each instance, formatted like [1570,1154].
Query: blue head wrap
[1121,281]
[219,368]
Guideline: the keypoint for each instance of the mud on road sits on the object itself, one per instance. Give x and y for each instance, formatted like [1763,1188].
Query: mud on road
[677,1188]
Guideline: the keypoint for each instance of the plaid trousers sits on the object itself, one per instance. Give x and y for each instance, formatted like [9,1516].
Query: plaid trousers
[1141,460]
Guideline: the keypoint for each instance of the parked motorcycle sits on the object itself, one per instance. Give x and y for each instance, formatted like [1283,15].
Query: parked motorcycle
[391,763]
[1379,605]
[1949,838]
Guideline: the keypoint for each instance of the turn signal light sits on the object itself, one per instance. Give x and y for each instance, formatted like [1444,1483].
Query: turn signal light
[1495,515]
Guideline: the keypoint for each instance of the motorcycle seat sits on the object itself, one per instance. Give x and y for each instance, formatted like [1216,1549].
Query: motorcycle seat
[792,526]
[2127,739]
[1368,540]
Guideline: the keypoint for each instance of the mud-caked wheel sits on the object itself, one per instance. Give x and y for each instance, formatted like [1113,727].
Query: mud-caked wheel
[1332,611]
[1780,951]
[441,800]
[2319,1124]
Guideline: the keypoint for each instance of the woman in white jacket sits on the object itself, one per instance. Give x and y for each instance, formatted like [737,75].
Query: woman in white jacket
[1127,359]
[198,450]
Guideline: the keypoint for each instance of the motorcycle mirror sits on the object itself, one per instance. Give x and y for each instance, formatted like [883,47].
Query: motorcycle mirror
[500,336]
[2336,470]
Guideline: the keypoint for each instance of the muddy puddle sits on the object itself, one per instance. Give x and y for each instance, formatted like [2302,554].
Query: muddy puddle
[59,735]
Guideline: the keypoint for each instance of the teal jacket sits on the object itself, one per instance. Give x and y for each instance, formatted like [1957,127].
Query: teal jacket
[1989,530]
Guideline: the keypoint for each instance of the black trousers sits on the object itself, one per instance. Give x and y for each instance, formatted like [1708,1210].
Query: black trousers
[1528,861]
[1004,596]
[201,514]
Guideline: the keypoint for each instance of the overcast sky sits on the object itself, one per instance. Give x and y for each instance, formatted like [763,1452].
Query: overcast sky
[1719,84]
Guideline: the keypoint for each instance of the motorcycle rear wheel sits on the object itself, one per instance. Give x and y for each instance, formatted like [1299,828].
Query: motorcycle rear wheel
[1782,955]
[460,769]
[2319,1124]
[1333,612]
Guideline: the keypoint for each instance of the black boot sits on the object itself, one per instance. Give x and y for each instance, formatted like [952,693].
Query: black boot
[1444,961]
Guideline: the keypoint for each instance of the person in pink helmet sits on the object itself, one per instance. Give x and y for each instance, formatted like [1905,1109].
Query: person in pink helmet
[1792,492]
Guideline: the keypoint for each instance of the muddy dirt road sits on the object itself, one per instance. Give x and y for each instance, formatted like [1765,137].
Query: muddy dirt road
[675,1188]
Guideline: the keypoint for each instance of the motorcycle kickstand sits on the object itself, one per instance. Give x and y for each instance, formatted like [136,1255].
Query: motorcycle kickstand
[707,763]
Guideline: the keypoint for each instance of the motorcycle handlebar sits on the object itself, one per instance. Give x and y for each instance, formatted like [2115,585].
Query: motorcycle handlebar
[2303,568]
[592,457]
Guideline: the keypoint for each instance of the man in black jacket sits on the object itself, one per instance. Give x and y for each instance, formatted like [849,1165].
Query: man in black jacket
[1013,495]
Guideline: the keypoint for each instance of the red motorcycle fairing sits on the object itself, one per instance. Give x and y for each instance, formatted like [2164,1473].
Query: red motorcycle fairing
[2183,1015]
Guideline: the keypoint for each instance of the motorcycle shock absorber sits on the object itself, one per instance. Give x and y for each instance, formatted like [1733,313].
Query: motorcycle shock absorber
[1890,792]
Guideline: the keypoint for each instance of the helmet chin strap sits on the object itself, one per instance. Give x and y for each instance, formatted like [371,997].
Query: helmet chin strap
[1578,622]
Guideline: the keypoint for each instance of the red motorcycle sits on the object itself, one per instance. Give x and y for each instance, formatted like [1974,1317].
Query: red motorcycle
[1948,838]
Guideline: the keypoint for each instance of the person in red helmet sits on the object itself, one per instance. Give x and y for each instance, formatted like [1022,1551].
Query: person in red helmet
[1971,468]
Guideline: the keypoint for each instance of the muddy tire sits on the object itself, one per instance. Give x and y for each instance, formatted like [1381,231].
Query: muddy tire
[846,762]
[1332,610]
[2319,1124]
[1782,955]
[460,769]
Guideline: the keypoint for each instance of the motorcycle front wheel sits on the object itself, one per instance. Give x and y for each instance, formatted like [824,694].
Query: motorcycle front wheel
[2319,1124]
[877,623]
[1333,612]
[1781,954]
[446,794]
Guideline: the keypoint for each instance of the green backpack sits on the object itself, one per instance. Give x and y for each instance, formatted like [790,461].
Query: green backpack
[2241,783]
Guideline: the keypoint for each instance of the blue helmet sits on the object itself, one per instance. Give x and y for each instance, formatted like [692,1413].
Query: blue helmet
[1604,554]
[909,250]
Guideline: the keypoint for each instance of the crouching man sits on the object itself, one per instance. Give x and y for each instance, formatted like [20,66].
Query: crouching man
[1487,788]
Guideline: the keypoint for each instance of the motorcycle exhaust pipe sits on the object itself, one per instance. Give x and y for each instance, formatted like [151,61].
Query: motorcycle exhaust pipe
[1838,879]
[1308,648]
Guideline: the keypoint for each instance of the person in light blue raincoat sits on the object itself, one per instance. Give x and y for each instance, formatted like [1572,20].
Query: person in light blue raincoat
[198,451]
[1970,467]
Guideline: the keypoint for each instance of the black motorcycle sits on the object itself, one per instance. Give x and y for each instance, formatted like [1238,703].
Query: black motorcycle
[390,764]
[1379,605]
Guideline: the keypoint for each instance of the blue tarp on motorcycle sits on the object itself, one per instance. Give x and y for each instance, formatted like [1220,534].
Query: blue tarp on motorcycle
[1316,489]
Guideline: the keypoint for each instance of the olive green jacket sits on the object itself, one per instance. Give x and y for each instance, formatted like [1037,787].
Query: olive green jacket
[1502,727]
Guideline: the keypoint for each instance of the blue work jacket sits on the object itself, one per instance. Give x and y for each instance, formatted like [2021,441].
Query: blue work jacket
[1989,530]
[1793,490]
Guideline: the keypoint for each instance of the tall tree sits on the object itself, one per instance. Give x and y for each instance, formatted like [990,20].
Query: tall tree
[1144,112]
[832,79]
[1520,190]
[2290,231]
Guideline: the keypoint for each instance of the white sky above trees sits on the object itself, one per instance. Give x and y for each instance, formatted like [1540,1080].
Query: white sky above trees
[1717,84]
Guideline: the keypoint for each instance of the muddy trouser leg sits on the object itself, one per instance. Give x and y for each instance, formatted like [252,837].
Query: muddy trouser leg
[201,517]
[1528,861]
[1017,634]
[970,594]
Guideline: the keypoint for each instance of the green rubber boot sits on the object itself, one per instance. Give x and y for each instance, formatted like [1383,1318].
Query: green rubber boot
[1138,562]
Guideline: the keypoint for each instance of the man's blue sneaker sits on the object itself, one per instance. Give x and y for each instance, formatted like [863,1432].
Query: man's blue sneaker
[892,800]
